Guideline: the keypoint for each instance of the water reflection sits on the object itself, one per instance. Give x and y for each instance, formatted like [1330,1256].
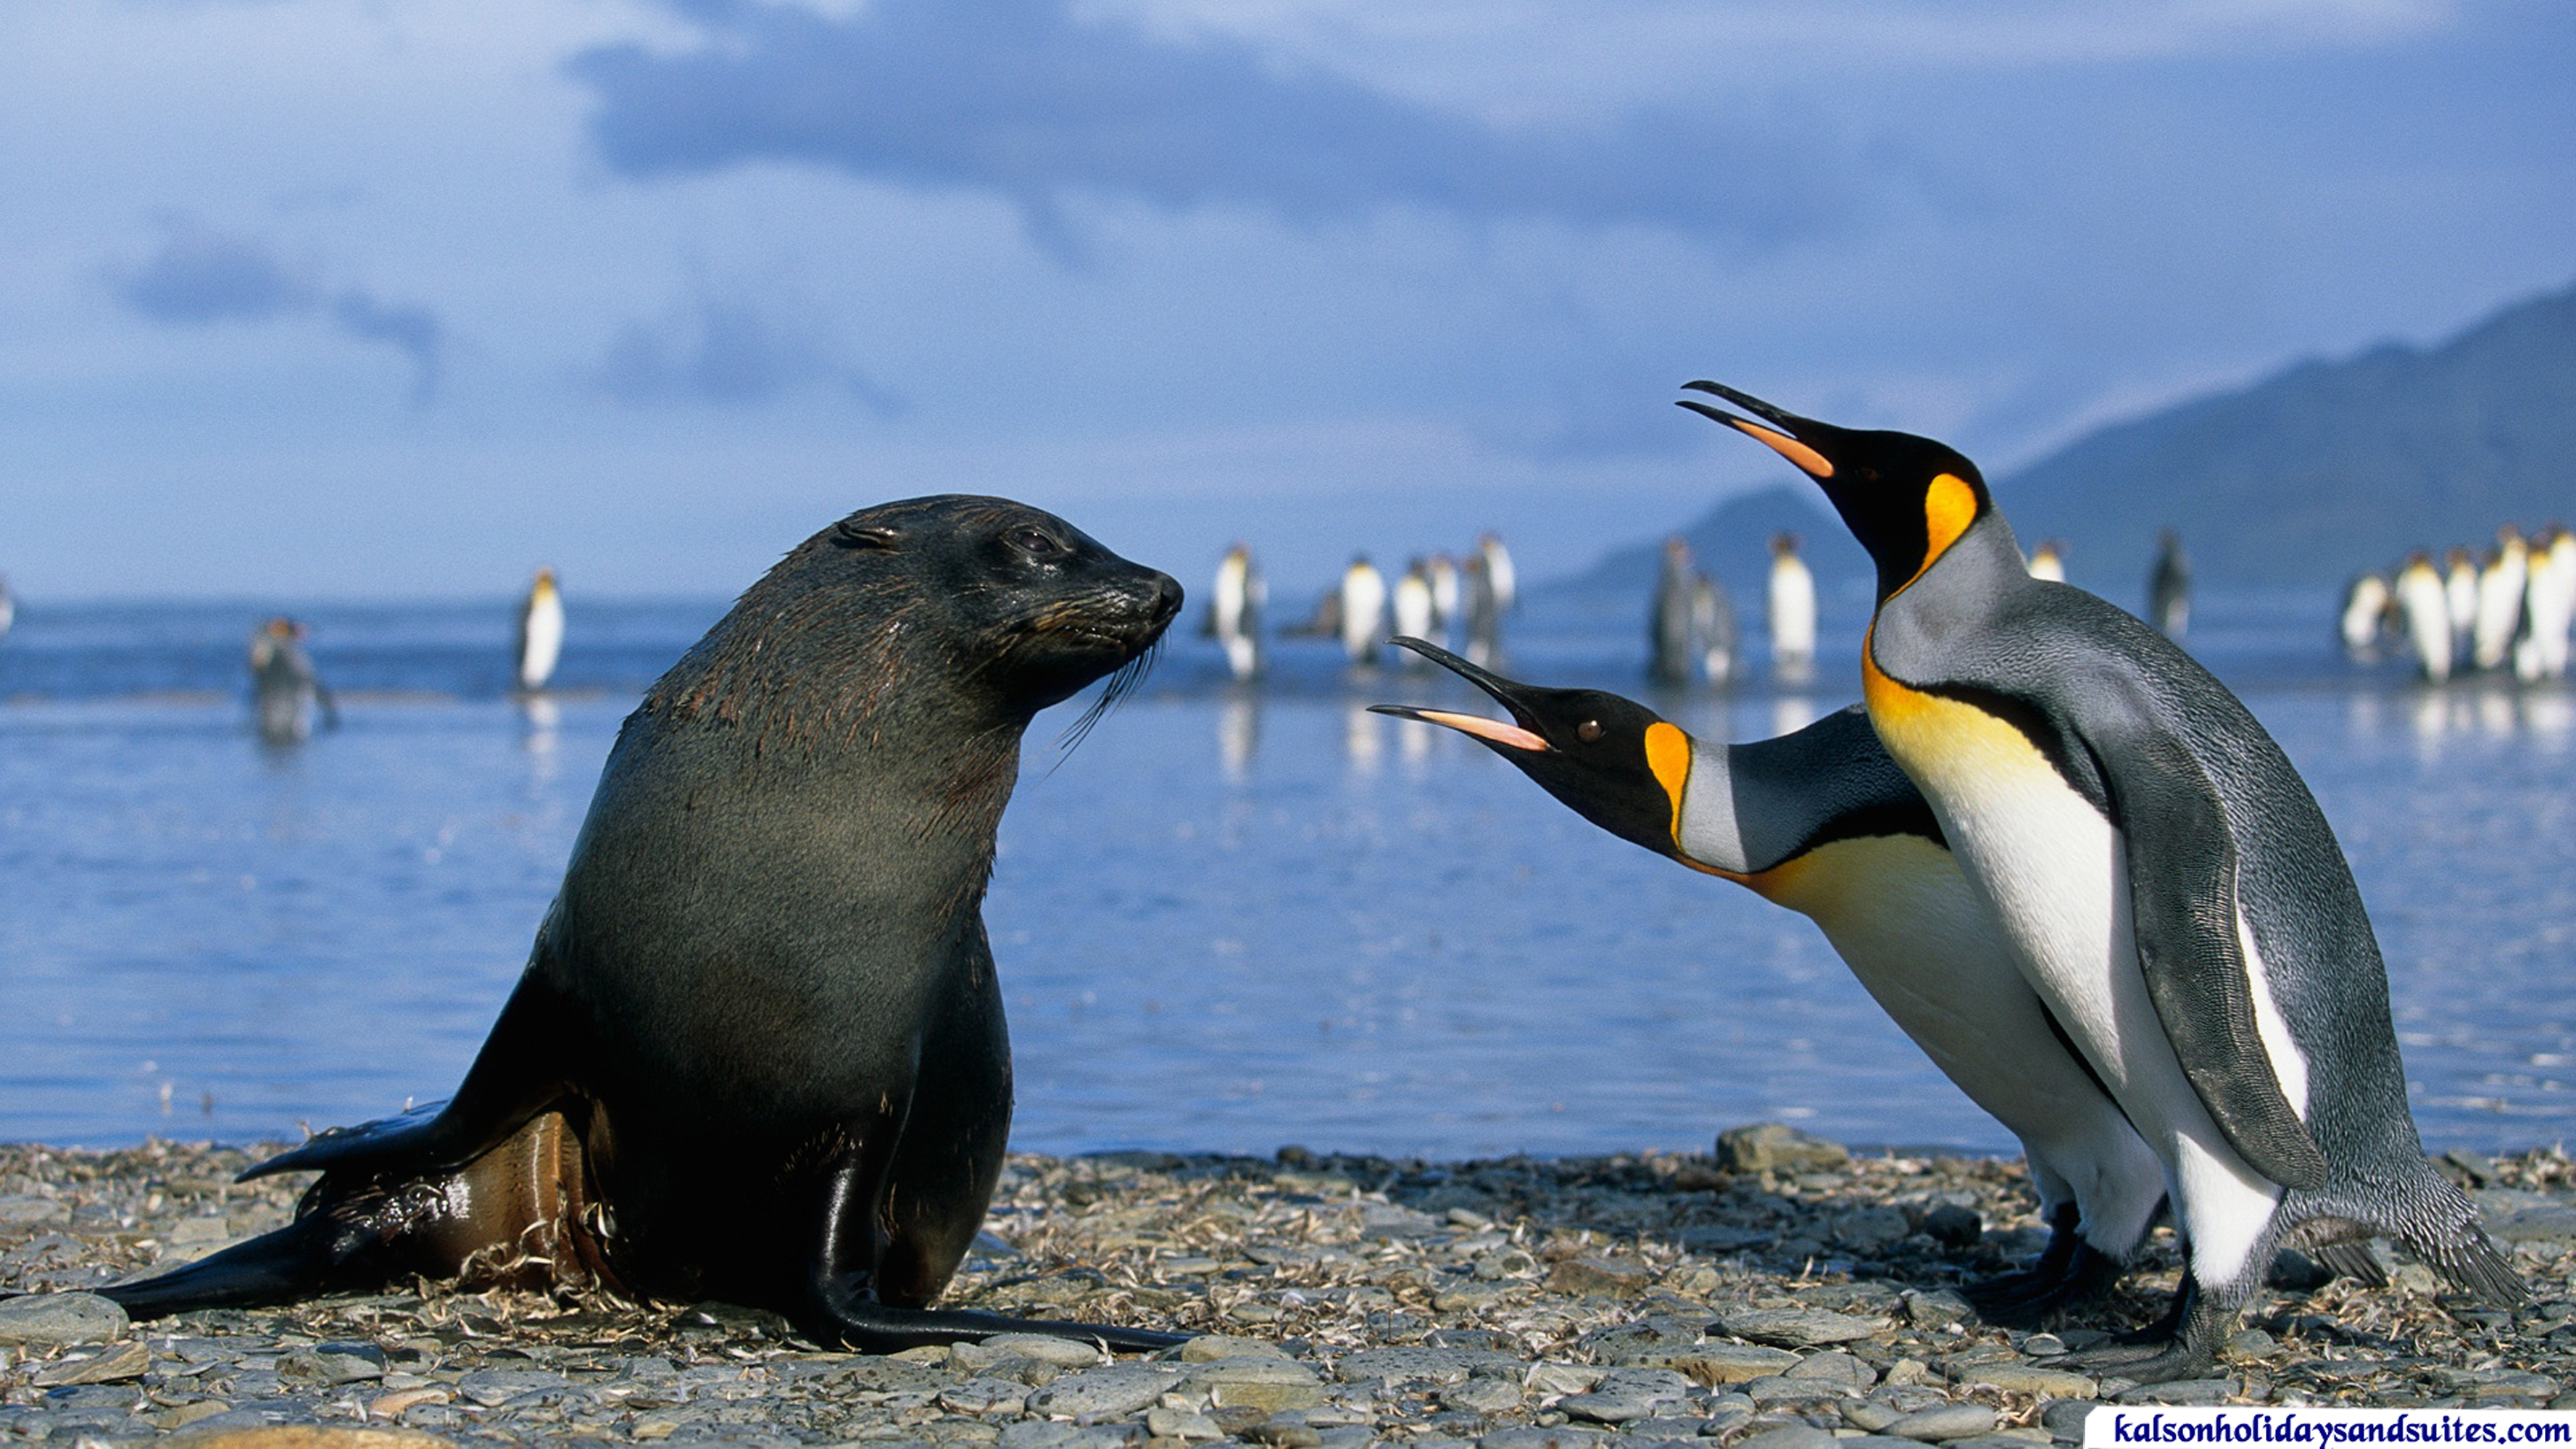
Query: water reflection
[540,738]
[1363,739]
[1238,733]
[2435,717]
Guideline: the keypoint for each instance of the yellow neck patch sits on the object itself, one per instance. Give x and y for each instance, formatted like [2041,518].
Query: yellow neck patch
[1949,506]
[1668,754]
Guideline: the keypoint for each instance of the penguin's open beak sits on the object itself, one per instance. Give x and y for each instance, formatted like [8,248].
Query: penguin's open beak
[1519,735]
[1782,440]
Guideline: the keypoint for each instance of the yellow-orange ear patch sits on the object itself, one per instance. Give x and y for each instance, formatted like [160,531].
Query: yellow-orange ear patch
[1808,460]
[1668,754]
[1949,506]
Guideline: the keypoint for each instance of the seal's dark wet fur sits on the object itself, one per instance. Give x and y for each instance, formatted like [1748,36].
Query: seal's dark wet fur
[758,1053]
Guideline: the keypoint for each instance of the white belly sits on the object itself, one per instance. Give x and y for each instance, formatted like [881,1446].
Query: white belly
[2056,874]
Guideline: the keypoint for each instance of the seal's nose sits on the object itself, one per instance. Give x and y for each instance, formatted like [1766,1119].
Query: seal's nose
[1167,598]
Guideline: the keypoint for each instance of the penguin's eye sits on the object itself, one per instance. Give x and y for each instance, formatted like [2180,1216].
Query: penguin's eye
[1035,543]
[1589,732]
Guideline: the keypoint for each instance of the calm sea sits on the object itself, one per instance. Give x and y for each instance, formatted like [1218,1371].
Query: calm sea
[1232,919]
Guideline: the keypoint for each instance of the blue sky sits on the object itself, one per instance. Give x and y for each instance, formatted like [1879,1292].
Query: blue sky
[348,297]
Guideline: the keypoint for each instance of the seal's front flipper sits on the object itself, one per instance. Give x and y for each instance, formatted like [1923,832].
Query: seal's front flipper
[846,1313]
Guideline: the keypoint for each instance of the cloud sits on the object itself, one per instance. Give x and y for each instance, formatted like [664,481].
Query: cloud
[407,327]
[1021,99]
[200,278]
[730,352]
[197,279]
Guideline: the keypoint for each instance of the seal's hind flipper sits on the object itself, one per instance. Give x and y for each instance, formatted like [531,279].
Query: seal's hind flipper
[320,1252]
[369,1146]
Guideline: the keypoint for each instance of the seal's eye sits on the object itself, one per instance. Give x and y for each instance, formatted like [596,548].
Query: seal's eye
[1589,732]
[1035,543]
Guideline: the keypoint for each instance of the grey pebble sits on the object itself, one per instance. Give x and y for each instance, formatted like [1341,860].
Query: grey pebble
[55,1318]
[1486,1396]
[1048,1434]
[2180,1391]
[1799,1327]
[1949,1421]
[499,1386]
[1789,1436]
[1107,1392]
[2064,1418]
[1566,1436]
[1439,1365]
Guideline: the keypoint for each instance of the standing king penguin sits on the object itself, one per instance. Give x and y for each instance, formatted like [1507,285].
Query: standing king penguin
[2169,886]
[1824,823]
[541,632]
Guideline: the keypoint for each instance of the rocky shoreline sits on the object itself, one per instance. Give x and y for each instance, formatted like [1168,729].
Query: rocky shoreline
[1779,1293]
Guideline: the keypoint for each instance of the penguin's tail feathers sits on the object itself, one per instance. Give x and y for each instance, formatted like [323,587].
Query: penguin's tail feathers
[2468,1260]
[2355,1260]
[2446,1230]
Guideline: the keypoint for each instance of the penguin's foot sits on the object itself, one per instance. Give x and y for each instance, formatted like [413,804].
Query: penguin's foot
[2184,1344]
[2037,1299]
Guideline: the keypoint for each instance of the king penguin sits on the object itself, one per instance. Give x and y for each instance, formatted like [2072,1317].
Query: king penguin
[1363,611]
[2424,607]
[2167,882]
[1235,618]
[1824,823]
[1793,610]
[541,630]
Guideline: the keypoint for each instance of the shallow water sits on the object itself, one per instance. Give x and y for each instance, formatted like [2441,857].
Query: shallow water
[1232,919]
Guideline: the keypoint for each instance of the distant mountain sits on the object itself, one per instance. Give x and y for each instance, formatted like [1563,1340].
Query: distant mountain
[1731,543]
[2325,468]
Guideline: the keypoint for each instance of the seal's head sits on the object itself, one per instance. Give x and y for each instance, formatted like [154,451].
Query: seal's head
[977,611]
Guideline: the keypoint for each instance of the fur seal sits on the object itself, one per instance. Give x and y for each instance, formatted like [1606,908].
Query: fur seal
[758,1053]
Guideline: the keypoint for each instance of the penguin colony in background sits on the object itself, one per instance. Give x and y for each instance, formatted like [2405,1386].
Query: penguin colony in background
[2514,612]
[1824,823]
[2161,875]
[1437,596]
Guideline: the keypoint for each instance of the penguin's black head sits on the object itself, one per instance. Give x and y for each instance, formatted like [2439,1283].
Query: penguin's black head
[1611,760]
[1907,499]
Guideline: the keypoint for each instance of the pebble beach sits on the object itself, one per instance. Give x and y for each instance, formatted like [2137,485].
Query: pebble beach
[1780,1292]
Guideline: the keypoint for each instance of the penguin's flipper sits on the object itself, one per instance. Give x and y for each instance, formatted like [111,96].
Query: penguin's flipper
[2182,896]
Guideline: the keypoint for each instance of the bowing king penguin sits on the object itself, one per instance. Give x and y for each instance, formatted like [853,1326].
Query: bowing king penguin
[1823,822]
[2167,883]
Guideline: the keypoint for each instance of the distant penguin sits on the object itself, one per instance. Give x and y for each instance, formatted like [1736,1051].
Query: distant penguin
[2048,561]
[2169,587]
[285,692]
[2424,613]
[1363,595]
[1824,823]
[2500,591]
[2548,596]
[541,632]
[1414,606]
[2366,604]
[1713,627]
[1668,616]
[2168,883]
[2460,595]
[1793,609]
[1235,615]
[1444,596]
[2554,617]
[1500,576]
[1483,611]
[8,606]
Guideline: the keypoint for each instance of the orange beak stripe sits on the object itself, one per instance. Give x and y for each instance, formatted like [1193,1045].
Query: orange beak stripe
[1486,729]
[1808,460]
